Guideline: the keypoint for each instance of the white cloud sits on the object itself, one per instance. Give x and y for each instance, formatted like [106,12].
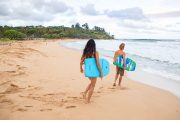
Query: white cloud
[89,9]
[124,19]
[33,10]
[151,26]
[134,13]
[3,10]
[175,13]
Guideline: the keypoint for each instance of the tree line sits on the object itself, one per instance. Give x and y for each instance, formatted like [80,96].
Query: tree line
[54,32]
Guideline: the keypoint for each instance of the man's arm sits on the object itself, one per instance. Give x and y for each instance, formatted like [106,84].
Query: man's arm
[115,56]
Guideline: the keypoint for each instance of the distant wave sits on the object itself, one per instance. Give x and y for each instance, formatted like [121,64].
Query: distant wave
[151,40]
[164,73]
[157,60]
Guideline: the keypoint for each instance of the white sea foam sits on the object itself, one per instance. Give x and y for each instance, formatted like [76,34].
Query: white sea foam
[162,51]
[163,73]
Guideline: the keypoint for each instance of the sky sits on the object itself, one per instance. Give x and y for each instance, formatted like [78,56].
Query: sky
[130,19]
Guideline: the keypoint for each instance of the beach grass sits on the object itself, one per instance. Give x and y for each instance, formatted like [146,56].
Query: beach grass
[6,41]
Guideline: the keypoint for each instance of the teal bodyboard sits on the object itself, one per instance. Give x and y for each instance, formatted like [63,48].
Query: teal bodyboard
[130,64]
[91,69]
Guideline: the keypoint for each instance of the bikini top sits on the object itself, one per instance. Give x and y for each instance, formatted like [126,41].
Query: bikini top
[92,56]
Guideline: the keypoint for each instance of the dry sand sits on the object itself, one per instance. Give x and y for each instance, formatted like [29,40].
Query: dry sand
[41,80]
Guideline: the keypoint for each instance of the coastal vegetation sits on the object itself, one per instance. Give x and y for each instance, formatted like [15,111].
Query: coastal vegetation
[53,32]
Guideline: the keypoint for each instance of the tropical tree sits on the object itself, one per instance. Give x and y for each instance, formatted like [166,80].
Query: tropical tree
[13,34]
[72,26]
[77,25]
[75,31]
[85,26]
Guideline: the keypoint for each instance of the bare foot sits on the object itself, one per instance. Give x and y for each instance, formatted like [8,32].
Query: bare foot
[123,88]
[114,84]
[87,101]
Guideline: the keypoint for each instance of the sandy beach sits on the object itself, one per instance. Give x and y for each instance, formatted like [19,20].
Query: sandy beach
[42,80]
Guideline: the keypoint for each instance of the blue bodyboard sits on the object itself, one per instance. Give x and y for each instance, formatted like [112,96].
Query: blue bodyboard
[91,69]
[130,64]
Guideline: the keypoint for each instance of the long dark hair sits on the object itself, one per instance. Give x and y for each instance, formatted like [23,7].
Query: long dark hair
[90,49]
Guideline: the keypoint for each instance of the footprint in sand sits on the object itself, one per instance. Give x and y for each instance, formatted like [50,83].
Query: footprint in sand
[30,86]
[21,109]
[72,97]
[112,88]
[124,88]
[12,89]
[49,94]
[75,99]
[28,106]
[5,100]
[64,101]
[48,109]
[99,91]
[118,88]
[3,83]
[34,88]
[2,95]
[10,64]
[22,96]
[11,71]
[18,73]
[71,106]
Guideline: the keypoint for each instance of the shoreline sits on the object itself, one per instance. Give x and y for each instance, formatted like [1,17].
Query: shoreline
[41,82]
[163,83]
[153,80]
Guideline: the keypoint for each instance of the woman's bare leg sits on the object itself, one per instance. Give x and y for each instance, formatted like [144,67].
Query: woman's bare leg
[91,89]
[87,89]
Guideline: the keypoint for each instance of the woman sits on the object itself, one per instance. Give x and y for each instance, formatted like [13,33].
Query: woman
[90,52]
[120,71]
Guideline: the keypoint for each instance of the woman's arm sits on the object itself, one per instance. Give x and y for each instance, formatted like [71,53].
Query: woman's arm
[98,64]
[81,63]
[124,61]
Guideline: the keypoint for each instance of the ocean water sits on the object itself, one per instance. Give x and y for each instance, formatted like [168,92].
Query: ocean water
[158,61]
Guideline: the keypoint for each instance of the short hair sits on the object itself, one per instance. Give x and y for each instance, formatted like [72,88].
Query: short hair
[121,46]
